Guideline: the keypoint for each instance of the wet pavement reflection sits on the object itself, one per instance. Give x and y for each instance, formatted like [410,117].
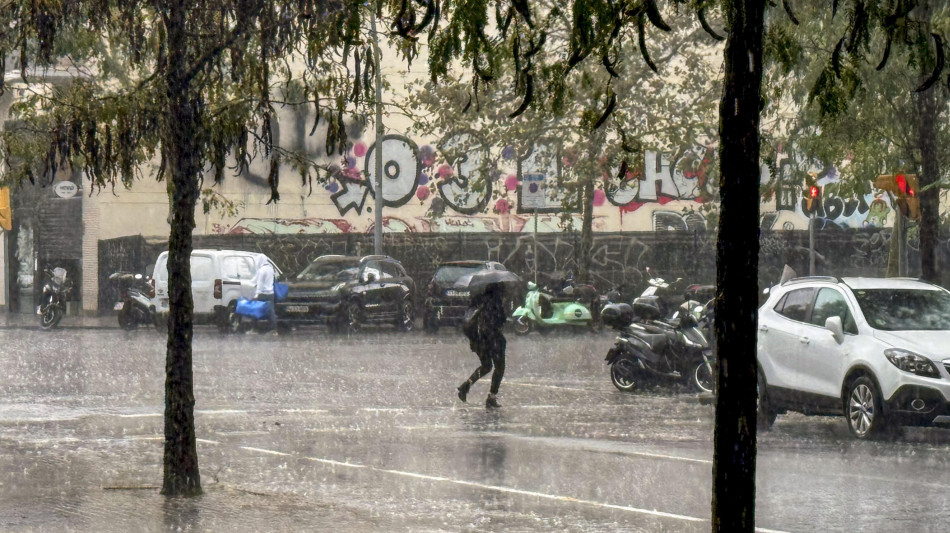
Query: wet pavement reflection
[316,432]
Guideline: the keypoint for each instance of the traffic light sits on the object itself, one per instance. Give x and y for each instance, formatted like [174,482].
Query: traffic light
[6,214]
[904,189]
[812,196]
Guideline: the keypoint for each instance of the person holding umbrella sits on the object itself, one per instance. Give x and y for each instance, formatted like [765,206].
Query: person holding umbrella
[482,326]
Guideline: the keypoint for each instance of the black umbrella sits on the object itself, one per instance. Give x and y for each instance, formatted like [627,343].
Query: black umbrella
[481,281]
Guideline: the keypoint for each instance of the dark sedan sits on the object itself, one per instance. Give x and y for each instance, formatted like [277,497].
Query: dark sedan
[345,292]
[445,301]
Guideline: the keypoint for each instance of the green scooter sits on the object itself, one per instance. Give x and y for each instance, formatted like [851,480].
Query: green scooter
[542,312]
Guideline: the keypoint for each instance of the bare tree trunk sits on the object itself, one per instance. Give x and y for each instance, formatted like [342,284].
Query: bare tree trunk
[733,499]
[929,194]
[181,477]
[587,232]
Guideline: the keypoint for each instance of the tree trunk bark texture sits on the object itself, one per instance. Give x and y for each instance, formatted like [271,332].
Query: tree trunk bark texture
[929,193]
[587,232]
[733,498]
[181,476]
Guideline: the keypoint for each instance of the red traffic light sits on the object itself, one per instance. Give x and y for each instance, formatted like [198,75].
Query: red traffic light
[901,183]
[814,191]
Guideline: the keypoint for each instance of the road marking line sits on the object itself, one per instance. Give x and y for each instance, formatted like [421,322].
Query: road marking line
[334,463]
[384,409]
[220,412]
[206,441]
[557,387]
[141,415]
[598,445]
[507,490]
[262,450]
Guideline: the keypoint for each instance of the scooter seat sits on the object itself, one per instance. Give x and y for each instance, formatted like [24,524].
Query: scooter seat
[657,342]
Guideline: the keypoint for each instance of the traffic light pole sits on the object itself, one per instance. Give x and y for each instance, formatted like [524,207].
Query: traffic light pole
[811,244]
[378,183]
[899,230]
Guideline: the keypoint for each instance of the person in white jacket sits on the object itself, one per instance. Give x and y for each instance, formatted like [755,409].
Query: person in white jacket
[264,290]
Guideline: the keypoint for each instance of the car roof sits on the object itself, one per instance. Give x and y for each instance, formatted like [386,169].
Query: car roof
[470,262]
[862,283]
[889,283]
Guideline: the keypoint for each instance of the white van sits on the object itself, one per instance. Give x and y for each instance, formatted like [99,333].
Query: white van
[218,279]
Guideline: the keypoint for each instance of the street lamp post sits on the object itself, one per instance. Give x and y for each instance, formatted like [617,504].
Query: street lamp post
[378,179]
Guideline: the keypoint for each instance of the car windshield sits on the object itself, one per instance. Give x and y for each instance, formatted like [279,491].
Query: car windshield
[451,273]
[905,309]
[330,269]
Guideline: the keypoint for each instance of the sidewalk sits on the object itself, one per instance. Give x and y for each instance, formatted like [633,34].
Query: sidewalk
[30,321]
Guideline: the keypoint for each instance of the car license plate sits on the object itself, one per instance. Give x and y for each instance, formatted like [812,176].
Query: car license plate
[297,309]
[118,306]
[456,293]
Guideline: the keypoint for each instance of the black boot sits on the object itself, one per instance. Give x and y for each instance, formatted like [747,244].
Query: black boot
[463,391]
[492,402]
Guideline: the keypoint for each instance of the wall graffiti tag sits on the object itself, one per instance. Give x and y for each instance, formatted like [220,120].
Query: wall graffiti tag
[468,188]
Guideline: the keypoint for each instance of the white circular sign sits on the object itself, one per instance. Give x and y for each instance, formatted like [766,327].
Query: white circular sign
[65,189]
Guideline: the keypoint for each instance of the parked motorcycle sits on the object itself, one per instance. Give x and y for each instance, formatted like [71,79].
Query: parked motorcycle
[649,349]
[56,292]
[134,306]
[543,311]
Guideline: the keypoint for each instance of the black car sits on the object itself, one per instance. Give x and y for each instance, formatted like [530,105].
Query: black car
[446,302]
[345,292]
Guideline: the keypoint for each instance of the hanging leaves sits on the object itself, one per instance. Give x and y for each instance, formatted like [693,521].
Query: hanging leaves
[938,65]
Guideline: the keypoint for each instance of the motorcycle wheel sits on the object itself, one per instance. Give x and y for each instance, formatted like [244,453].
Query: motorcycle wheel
[127,319]
[523,325]
[50,314]
[702,377]
[620,373]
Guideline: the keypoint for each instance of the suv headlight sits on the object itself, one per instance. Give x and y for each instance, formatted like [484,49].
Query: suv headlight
[911,362]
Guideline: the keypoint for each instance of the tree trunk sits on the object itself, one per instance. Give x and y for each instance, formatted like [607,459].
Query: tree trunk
[181,477]
[929,193]
[587,234]
[733,498]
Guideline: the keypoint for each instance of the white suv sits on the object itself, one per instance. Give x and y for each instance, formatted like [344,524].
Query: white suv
[874,349]
[218,279]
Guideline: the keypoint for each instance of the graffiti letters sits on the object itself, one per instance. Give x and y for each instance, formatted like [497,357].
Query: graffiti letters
[469,188]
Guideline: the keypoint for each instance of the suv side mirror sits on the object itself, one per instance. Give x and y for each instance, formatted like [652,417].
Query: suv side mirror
[833,324]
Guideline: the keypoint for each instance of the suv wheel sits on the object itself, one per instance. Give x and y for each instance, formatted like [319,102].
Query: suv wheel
[406,318]
[352,318]
[862,408]
[430,323]
[765,413]
[235,323]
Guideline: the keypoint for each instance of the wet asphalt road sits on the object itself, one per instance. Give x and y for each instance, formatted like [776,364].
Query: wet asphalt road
[316,432]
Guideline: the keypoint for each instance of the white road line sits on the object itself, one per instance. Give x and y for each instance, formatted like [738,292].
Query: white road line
[334,463]
[206,441]
[220,412]
[262,450]
[141,415]
[597,445]
[556,387]
[502,489]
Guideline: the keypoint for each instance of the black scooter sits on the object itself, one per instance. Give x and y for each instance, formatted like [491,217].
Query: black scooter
[55,294]
[134,306]
[649,350]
